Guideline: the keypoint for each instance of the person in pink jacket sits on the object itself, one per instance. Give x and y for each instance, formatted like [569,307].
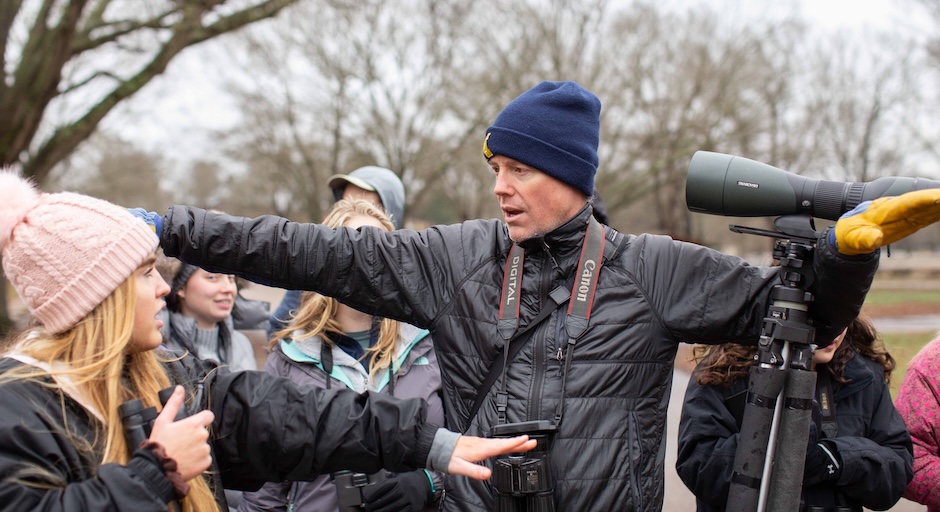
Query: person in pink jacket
[919,404]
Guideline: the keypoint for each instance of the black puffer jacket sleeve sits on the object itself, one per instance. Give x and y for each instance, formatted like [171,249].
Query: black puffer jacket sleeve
[362,267]
[424,268]
[705,296]
[268,428]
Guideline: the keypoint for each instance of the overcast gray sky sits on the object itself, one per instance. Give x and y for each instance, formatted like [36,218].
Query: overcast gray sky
[175,114]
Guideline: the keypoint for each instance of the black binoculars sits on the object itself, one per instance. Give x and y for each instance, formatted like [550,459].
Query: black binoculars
[138,420]
[349,487]
[524,481]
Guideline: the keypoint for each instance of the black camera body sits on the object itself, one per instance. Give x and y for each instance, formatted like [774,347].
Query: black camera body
[349,487]
[524,481]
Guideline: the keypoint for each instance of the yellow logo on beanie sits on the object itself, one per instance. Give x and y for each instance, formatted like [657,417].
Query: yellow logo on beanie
[486,151]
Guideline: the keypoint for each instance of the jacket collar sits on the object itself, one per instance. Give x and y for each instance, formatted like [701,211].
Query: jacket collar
[859,376]
[186,325]
[59,373]
[310,349]
[565,237]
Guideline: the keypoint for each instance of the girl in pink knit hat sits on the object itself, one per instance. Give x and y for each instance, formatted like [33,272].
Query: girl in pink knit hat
[70,436]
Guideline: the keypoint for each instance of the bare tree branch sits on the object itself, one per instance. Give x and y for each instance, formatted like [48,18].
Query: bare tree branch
[54,44]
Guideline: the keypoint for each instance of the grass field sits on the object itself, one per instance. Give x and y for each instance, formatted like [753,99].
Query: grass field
[884,297]
[903,346]
[899,303]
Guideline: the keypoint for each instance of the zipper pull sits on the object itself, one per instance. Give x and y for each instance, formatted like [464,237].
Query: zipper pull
[550,256]
[559,356]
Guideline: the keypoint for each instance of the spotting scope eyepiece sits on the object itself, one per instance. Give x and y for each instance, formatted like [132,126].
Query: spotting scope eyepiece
[720,184]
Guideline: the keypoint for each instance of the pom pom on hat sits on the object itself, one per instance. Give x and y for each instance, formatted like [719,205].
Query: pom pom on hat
[17,196]
[65,253]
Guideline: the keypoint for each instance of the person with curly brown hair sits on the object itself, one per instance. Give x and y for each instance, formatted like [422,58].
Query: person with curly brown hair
[859,453]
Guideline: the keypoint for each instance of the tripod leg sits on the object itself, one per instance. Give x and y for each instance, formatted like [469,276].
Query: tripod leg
[764,386]
[790,456]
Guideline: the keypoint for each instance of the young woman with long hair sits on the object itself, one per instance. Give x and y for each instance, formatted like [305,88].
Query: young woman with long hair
[85,270]
[330,345]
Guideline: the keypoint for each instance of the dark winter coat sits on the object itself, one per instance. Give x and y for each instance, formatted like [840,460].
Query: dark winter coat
[872,442]
[42,468]
[652,293]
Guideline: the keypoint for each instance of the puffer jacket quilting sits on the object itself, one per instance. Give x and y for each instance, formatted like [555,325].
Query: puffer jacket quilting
[265,429]
[652,293]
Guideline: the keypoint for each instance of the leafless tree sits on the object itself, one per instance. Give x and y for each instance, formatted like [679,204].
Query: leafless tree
[87,56]
[67,64]
[369,86]
[863,92]
[416,95]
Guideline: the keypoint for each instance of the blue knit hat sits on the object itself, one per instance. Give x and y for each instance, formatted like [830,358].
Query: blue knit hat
[553,127]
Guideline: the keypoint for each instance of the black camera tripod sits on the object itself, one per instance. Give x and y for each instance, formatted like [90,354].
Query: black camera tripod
[769,461]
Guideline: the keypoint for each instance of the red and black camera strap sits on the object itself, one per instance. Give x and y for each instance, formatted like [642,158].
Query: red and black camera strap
[580,298]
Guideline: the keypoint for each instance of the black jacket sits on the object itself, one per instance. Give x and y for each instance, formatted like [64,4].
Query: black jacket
[652,293]
[872,442]
[265,429]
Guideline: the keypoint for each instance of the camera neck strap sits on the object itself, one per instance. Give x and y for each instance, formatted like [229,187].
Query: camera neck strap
[576,320]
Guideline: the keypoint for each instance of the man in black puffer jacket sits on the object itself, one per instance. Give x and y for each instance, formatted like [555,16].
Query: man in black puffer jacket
[614,382]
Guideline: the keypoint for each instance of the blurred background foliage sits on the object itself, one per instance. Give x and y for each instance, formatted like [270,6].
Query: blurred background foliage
[317,87]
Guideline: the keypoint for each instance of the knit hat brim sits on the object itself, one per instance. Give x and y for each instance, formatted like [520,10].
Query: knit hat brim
[553,127]
[578,172]
[182,276]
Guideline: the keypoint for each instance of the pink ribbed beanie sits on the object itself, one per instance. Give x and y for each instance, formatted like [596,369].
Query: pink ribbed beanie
[64,253]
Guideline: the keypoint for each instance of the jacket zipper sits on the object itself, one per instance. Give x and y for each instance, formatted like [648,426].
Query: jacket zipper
[539,356]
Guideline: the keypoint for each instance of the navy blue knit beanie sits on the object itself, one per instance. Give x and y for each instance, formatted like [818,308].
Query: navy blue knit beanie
[553,127]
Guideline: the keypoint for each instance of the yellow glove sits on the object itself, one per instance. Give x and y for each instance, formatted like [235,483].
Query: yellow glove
[886,220]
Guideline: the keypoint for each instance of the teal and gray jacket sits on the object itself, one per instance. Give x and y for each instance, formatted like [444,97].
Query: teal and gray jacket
[417,375]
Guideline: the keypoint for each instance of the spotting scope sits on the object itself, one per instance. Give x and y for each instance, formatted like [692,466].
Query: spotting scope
[720,184]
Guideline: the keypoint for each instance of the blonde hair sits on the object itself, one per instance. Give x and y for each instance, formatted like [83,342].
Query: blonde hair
[93,357]
[316,315]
